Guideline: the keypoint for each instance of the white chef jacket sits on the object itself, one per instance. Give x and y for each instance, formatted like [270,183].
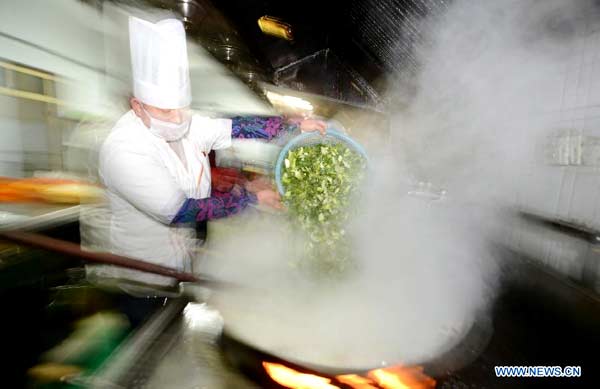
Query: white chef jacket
[146,185]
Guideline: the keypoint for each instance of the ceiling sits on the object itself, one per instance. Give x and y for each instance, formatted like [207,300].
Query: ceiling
[341,49]
[373,37]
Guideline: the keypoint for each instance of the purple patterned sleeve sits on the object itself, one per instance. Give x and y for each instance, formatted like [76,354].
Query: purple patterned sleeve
[220,204]
[259,127]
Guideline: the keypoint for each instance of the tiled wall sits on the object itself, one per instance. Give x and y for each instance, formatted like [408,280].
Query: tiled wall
[570,192]
[579,190]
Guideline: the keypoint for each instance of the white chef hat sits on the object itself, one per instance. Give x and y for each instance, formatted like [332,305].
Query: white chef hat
[159,63]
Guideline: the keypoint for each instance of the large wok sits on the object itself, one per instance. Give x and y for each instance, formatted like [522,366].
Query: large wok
[243,353]
[248,351]
[251,332]
[538,318]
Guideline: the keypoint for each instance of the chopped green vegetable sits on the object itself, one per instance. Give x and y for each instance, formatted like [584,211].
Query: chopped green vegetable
[320,182]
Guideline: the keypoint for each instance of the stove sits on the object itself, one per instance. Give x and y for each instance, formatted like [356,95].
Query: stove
[538,319]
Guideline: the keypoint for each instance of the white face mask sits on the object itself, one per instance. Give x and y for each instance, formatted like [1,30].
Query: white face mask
[170,131]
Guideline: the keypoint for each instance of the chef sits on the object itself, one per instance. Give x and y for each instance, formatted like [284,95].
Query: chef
[154,163]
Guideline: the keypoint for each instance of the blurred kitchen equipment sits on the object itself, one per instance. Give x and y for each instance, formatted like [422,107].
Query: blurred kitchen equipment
[249,154]
[275,27]
[11,217]
[48,190]
[427,191]
[571,148]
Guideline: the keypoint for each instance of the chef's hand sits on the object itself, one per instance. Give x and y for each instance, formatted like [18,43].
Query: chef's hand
[258,184]
[309,125]
[269,198]
[237,190]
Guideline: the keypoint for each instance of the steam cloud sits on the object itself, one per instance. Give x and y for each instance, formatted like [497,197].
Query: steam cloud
[474,121]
